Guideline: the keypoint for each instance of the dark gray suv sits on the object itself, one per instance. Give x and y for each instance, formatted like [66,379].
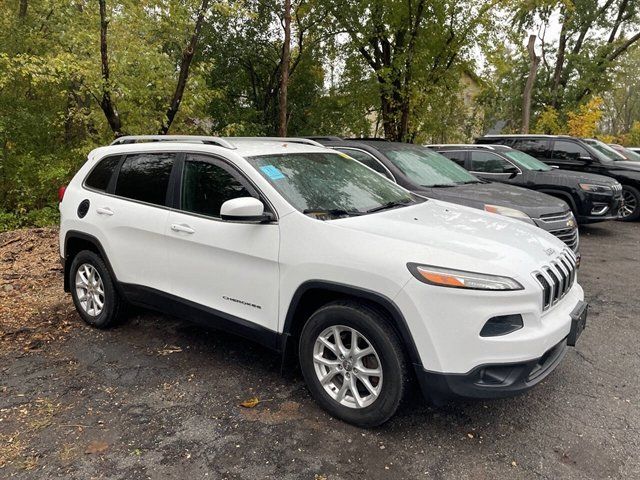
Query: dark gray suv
[432,175]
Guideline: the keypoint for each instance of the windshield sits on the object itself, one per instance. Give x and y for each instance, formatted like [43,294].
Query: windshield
[630,154]
[329,184]
[427,168]
[526,161]
[609,152]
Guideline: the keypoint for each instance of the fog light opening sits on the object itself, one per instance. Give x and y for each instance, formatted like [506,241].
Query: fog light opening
[502,325]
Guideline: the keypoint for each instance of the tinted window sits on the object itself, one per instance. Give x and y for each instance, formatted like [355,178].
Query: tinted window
[487,162]
[145,177]
[457,156]
[206,186]
[101,174]
[365,158]
[565,150]
[534,147]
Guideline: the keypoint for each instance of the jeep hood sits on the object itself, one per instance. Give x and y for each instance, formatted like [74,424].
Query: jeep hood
[477,195]
[467,238]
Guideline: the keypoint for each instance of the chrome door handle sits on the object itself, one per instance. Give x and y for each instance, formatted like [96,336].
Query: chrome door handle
[104,211]
[176,227]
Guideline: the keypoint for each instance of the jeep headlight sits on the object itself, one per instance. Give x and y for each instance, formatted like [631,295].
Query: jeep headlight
[508,212]
[447,277]
[595,188]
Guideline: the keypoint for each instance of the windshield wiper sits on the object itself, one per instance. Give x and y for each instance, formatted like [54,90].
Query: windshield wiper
[470,182]
[334,212]
[386,206]
[440,185]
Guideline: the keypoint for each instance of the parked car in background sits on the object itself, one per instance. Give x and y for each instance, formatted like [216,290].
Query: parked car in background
[432,175]
[311,253]
[593,198]
[627,153]
[605,149]
[634,149]
[570,153]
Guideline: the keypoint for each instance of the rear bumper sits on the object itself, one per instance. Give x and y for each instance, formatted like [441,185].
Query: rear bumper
[490,381]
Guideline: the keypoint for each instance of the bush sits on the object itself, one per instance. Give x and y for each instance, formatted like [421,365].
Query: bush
[43,217]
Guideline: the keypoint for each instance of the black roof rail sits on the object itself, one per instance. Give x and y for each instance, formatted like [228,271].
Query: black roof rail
[326,138]
[129,139]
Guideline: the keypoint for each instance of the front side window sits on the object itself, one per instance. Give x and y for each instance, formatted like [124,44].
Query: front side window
[206,186]
[365,158]
[564,150]
[100,176]
[456,156]
[526,161]
[426,167]
[145,177]
[328,182]
[487,162]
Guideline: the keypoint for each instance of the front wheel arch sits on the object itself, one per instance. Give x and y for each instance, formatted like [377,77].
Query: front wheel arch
[313,294]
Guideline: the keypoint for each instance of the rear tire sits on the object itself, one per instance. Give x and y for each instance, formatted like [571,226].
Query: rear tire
[93,291]
[369,362]
[631,209]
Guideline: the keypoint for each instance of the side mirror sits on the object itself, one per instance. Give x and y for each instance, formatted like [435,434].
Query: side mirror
[244,209]
[511,171]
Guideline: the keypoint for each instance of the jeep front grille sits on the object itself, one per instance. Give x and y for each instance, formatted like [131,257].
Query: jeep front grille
[556,278]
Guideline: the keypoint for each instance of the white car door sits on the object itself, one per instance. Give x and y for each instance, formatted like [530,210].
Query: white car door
[227,267]
[133,220]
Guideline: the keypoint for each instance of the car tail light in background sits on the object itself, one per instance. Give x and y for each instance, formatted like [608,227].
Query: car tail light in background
[61,191]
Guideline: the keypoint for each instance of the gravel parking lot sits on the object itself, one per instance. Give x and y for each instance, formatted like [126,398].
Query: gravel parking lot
[159,398]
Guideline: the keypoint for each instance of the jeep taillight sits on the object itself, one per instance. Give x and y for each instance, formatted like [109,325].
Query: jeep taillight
[61,191]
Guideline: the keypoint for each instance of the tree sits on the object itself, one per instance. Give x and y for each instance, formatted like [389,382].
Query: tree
[531,79]
[284,70]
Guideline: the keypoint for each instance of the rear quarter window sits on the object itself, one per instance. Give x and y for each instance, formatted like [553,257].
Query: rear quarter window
[101,174]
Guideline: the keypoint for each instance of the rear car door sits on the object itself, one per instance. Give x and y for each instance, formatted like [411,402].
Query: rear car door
[133,217]
[229,268]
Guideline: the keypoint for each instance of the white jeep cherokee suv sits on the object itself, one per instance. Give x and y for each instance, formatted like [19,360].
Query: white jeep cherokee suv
[315,255]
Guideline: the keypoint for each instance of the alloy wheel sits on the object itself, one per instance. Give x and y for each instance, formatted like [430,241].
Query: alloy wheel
[90,289]
[347,366]
[630,204]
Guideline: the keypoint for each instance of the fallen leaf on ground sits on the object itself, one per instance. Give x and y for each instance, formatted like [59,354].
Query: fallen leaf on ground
[169,349]
[250,403]
[97,447]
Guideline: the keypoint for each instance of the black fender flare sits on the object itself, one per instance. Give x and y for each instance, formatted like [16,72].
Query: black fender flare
[75,234]
[397,317]
[563,195]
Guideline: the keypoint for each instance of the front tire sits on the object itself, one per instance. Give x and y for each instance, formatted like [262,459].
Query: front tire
[93,291]
[353,363]
[630,211]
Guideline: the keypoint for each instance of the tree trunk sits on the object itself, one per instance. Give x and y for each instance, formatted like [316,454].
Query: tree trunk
[531,80]
[185,64]
[557,73]
[106,102]
[22,13]
[284,71]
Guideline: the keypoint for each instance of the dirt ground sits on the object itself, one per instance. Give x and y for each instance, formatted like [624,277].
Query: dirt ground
[159,398]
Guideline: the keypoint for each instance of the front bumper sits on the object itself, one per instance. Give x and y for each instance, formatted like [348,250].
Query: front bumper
[490,381]
[594,203]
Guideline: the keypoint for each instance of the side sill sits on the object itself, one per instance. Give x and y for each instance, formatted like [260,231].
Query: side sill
[201,314]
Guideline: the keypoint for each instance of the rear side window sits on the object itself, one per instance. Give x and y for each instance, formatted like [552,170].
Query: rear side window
[367,159]
[100,176]
[455,155]
[206,186]
[564,150]
[534,147]
[145,177]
